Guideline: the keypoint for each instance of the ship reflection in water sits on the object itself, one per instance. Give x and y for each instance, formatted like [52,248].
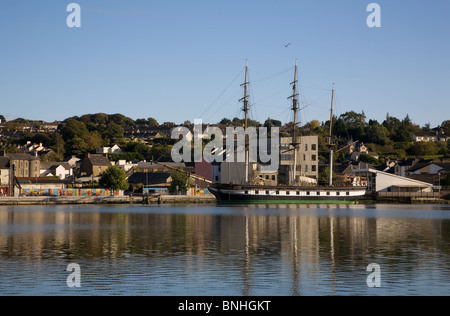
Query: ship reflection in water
[239,250]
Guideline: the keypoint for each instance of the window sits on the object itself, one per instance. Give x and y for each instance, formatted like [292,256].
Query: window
[287,192]
[308,193]
[267,177]
[256,192]
[306,168]
[304,157]
[298,192]
[217,178]
[347,193]
[338,193]
[267,192]
[246,192]
[313,157]
[328,193]
[277,192]
[313,168]
[273,177]
[313,147]
[318,193]
[306,147]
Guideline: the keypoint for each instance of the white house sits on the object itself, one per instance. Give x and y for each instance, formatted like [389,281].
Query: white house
[61,170]
[109,150]
[429,137]
[73,161]
[125,165]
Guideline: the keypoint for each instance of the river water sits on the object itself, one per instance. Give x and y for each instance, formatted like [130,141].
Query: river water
[213,250]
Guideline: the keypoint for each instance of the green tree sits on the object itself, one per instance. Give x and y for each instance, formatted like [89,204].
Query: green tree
[368,159]
[446,127]
[77,146]
[423,149]
[113,178]
[324,177]
[376,133]
[355,124]
[153,122]
[225,121]
[112,134]
[161,152]
[180,179]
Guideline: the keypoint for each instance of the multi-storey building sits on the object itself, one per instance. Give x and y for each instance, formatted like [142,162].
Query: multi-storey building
[307,160]
[24,165]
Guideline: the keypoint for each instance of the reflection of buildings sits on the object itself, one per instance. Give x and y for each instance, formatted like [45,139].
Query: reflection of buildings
[294,246]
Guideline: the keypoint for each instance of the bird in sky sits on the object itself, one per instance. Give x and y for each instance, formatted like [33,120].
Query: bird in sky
[287,45]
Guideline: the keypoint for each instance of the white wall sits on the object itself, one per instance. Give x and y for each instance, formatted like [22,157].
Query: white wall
[384,181]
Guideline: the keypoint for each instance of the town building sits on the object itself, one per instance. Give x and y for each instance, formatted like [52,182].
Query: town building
[210,171]
[115,149]
[429,136]
[388,185]
[4,176]
[307,160]
[73,161]
[151,182]
[93,165]
[148,166]
[24,165]
[62,170]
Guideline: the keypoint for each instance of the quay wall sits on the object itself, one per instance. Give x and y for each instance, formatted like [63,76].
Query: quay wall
[57,200]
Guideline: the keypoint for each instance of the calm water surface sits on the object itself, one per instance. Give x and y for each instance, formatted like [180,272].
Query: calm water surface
[213,250]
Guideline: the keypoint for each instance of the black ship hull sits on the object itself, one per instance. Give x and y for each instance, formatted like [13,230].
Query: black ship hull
[243,194]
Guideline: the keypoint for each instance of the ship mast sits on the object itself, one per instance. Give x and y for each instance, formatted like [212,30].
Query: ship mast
[245,109]
[294,131]
[331,143]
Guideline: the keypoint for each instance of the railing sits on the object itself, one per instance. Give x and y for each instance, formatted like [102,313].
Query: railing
[434,195]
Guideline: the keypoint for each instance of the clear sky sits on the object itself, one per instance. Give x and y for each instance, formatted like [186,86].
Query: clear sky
[178,60]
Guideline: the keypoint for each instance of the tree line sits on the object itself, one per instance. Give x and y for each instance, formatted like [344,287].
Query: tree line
[79,135]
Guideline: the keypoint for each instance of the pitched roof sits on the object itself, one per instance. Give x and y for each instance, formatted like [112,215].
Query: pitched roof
[420,165]
[149,178]
[53,165]
[4,163]
[98,160]
[21,157]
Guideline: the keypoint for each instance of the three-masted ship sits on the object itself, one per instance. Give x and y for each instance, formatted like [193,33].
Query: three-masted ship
[248,192]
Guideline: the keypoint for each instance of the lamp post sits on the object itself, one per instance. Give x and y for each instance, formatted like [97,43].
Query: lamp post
[439,183]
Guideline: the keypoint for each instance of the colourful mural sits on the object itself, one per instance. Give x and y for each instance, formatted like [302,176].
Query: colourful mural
[198,191]
[68,192]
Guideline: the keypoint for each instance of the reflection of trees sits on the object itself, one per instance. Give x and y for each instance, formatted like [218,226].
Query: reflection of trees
[306,245]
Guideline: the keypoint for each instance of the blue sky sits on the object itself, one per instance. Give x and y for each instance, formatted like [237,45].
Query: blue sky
[178,60]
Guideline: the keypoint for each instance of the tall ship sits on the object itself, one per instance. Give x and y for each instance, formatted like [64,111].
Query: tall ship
[250,191]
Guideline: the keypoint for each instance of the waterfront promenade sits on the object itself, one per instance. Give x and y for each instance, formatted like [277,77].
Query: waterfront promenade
[57,200]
